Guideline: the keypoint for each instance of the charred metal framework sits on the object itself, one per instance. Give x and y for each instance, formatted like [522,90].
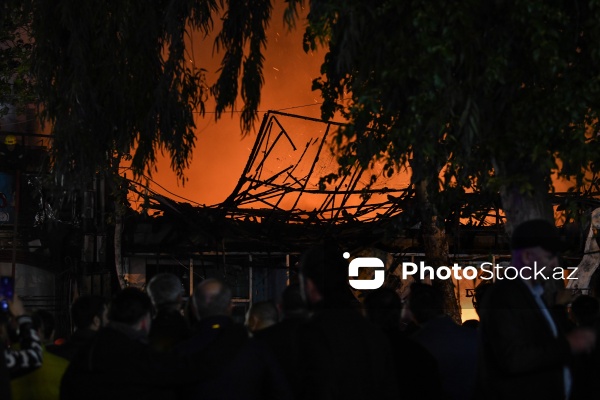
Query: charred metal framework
[290,194]
[305,163]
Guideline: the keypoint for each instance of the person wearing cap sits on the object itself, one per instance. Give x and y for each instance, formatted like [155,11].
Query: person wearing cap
[11,153]
[523,353]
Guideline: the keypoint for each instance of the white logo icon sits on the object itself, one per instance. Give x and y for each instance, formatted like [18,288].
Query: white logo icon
[365,262]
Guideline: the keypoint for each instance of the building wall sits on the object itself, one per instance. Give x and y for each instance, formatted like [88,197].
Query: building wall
[34,285]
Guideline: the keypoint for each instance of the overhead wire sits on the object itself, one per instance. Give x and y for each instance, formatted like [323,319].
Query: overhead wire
[263,111]
[149,179]
[195,112]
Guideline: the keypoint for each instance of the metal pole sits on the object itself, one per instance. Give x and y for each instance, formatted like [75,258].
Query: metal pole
[191,275]
[16,224]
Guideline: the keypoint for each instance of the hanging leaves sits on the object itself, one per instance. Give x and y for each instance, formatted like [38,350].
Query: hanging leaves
[115,81]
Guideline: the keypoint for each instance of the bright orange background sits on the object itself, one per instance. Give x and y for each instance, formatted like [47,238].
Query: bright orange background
[221,151]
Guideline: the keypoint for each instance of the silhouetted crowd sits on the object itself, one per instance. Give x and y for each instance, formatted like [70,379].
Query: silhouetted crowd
[317,342]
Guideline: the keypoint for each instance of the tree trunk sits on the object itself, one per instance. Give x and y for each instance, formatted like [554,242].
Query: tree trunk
[523,204]
[118,245]
[435,243]
[119,195]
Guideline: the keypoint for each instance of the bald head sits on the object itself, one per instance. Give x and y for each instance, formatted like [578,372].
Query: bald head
[212,297]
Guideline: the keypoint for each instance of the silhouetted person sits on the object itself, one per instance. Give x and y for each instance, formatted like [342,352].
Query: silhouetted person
[477,300]
[240,367]
[89,313]
[28,358]
[11,153]
[118,363]
[480,292]
[342,355]
[282,337]
[453,346]
[169,326]
[44,382]
[471,324]
[585,311]
[524,353]
[416,369]
[293,305]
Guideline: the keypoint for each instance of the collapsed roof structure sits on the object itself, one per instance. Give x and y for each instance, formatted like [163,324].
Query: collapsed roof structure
[291,194]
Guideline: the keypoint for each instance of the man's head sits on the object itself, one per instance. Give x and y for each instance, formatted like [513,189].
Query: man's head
[536,243]
[89,312]
[43,323]
[212,297]
[425,302]
[324,274]
[261,315]
[165,290]
[384,307]
[131,307]
[292,303]
[585,310]
[479,295]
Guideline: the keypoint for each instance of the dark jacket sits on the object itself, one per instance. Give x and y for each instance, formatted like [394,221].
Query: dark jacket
[168,329]
[240,368]
[586,370]
[118,364]
[282,339]
[344,356]
[519,356]
[454,347]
